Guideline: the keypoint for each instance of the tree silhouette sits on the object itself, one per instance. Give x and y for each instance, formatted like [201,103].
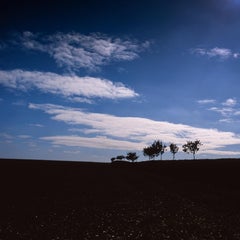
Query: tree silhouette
[149,151]
[160,148]
[192,147]
[173,149]
[120,157]
[113,159]
[132,156]
[155,149]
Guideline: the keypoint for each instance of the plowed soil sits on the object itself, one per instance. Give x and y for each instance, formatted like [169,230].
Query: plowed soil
[148,200]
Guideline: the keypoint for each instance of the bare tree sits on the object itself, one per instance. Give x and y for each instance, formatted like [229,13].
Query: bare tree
[192,147]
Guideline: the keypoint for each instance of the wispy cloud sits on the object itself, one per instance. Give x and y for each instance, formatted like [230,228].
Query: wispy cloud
[113,132]
[228,110]
[75,50]
[2,45]
[69,86]
[19,102]
[226,120]
[222,53]
[81,100]
[6,136]
[24,136]
[224,111]
[36,125]
[206,101]
[71,152]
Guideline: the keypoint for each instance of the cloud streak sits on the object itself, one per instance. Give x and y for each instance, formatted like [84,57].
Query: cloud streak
[74,50]
[222,53]
[78,89]
[134,133]
[206,101]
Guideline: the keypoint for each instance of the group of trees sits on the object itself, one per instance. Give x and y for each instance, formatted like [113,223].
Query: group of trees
[131,156]
[192,147]
[158,148]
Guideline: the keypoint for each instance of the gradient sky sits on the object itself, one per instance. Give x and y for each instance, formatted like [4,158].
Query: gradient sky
[89,80]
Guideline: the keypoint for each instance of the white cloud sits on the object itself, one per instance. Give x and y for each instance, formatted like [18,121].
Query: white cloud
[74,50]
[70,86]
[92,142]
[223,53]
[206,101]
[230,102]
[220,52]
[228,110]
[130,132]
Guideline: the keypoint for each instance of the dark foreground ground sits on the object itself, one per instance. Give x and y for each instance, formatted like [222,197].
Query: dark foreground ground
[152,200]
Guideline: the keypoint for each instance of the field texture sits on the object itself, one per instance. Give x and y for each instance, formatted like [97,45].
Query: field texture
[149,200]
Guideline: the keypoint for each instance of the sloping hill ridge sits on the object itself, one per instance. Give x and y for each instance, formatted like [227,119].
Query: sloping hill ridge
[146,200]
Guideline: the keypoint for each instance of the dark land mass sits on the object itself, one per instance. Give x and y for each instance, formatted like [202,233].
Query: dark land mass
[148,200]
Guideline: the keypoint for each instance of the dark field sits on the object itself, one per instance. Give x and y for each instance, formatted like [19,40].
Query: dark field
[149,200]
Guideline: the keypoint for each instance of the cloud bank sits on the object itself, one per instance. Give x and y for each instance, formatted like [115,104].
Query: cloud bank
[75,88]
[131,133]
[74,50]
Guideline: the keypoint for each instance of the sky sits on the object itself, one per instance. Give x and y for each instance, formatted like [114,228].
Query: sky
[90,80]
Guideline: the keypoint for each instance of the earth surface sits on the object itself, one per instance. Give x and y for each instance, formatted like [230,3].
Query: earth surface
[147,200]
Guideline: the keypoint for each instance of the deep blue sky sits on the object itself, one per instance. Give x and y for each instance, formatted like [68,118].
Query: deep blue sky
[88,80]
